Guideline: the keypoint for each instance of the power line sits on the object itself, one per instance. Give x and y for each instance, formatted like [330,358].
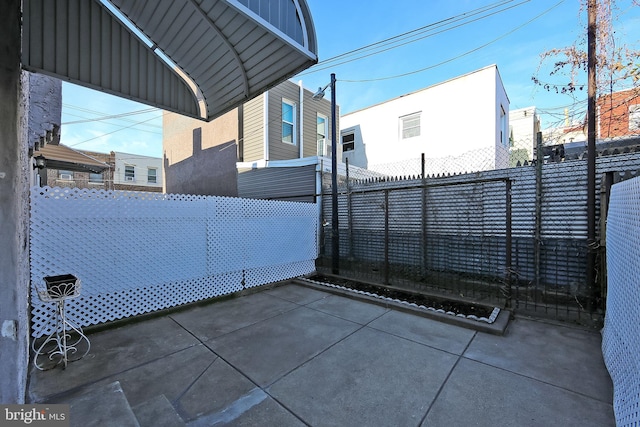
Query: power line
[131,121]
[105,116]
[84,109]
[323,65]
[461,55]
[110,117]
[417,30]
[117,130]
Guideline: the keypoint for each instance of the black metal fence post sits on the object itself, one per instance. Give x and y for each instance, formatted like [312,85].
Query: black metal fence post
[606,182]
[349,213]
[537,242]
[386,237]
[424,218]
[508,242]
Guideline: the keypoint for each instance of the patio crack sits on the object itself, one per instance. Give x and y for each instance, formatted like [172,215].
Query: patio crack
[282,404]
[460,357]
[539,380]
[181,395]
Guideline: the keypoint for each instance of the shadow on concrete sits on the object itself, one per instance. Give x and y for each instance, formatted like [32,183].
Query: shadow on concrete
[291,355]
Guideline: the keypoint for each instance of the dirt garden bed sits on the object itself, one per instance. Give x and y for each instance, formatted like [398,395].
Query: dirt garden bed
[453,307]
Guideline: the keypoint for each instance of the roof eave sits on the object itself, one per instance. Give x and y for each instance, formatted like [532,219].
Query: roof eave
[219,49]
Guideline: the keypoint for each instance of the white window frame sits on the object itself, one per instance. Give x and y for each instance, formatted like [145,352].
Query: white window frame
[504,140]
[65,175]
[132,175]
[634,118]
[294,112]
[406,131]
[155,176]
[324,141]
[326,124]
[351,143]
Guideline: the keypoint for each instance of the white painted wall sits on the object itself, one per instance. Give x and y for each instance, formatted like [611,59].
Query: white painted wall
[524,124]
[459,119]
[565,135]
[141,165]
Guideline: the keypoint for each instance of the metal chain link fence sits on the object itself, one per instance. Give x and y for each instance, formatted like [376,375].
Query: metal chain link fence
[514,237]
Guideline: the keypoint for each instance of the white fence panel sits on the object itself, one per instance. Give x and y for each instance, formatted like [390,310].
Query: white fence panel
[621,333]
[138,252]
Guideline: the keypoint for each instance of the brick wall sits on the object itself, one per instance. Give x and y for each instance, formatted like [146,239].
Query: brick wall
[613,112]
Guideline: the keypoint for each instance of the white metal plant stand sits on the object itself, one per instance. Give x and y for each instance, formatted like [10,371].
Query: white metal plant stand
[67,341]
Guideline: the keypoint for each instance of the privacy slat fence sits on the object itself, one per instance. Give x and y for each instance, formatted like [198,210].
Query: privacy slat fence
[515,237]
[621,333]
[138,252]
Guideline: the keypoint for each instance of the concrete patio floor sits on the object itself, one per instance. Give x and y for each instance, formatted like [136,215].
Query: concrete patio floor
[295,356]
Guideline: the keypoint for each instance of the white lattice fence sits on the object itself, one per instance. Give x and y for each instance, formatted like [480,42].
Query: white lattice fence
[621,333]
[138,252]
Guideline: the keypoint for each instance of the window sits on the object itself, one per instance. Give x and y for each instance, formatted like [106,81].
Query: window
[129,173]
[634,117]
[95,178]
[410,126]
[152,175]
[348,142]
[288,122]
[322,126]
[66,175]
[321,133]
[503,127]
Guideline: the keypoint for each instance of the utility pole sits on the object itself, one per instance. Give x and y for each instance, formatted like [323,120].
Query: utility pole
[591,149]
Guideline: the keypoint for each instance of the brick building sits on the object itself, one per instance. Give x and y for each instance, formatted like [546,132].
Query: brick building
[66,167]
[619,114]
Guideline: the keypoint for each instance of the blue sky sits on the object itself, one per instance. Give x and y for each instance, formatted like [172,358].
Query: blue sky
[510,34]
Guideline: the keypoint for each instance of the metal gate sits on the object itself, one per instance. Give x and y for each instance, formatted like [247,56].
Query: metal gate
[449,235]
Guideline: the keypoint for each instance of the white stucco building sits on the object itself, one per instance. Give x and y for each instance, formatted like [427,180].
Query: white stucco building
[524,124]
[137,171]
[461,125]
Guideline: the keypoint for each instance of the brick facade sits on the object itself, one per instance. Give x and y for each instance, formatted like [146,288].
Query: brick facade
[614,114]
[82,179]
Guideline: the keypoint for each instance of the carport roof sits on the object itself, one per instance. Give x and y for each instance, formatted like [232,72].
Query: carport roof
[229,50]
[62,157]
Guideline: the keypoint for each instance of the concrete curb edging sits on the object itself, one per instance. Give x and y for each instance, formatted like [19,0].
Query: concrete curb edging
[497,327]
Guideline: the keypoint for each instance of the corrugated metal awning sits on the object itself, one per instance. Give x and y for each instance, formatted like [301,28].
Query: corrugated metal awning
[230,50]
[64,158]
